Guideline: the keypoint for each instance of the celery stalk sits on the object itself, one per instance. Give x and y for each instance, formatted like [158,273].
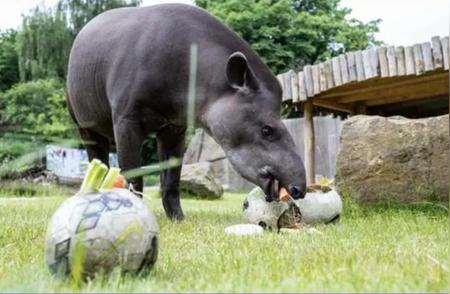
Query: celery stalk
[90,173]
[97,179]
[112,174]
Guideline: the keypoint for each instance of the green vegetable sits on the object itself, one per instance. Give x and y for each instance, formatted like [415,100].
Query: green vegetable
[94,176]
[108,182]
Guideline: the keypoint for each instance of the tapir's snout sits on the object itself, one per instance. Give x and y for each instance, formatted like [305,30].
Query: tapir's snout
[297,192]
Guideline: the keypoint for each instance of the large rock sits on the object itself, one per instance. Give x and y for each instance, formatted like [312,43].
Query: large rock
[199,179]
[394,158]
[203,148]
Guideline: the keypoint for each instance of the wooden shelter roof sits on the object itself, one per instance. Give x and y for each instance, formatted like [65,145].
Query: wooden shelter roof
[379,80]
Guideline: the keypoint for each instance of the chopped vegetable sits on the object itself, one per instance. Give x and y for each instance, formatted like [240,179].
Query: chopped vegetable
[119,182]
[111,178]
[284,195]
[94,176]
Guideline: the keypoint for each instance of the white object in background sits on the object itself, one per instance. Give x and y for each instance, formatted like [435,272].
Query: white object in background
[244,229]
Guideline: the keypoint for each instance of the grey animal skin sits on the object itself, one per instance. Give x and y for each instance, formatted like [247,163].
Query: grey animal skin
[128,76]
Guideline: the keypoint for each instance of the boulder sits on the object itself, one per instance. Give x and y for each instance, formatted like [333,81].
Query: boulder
[394,158]
[203,148]
[198,179]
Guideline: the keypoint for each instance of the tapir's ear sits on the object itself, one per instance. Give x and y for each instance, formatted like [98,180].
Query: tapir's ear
[239,73]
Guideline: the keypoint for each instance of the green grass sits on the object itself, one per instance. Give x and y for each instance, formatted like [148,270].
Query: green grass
[378,248]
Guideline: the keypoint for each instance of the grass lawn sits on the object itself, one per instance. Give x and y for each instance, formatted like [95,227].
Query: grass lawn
[373,248]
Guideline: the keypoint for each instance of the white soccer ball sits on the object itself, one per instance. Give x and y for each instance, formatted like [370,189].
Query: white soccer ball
[100,231]
[316,207]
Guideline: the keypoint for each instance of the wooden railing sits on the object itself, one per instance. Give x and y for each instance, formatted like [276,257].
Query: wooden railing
[364,65]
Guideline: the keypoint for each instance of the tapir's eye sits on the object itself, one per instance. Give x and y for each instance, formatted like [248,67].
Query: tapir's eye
[267,132]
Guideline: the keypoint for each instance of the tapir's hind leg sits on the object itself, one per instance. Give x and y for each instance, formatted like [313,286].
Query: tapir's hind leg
[171,145]
[96,145]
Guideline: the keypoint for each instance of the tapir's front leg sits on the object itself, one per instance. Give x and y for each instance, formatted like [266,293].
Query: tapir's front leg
[171,145]
[129,139]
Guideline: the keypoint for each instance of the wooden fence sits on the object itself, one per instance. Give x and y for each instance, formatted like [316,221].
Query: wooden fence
[363,65]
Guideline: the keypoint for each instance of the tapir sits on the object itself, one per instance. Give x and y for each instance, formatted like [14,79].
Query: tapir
[128,76]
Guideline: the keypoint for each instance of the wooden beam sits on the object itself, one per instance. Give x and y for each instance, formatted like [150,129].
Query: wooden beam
[336,71]
[384,68]
[367,63]
[294,86]
[445,52]
[359,66]
[308,81]
[409,61]
[329,74]
[351,63]
[344,69]
[301,87]
[400,58]
[322,78]
[411,92]
[315,78]
[437,52]
[309,143]
[382,83]
[392,64]
[427,56]
[332,105]
[418,59]
[287,86]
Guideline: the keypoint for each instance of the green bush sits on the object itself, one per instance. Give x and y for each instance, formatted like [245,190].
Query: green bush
[38,110]
[32,114]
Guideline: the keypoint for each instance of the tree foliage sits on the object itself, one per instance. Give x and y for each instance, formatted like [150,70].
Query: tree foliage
[47,35]
[37,109]
[43,45]
[9,60]
[81,11]
[291,33]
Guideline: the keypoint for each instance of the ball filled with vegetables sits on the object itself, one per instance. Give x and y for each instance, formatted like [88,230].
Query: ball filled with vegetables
[101,228]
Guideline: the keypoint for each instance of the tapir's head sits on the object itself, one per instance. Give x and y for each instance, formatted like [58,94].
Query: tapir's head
[246,122]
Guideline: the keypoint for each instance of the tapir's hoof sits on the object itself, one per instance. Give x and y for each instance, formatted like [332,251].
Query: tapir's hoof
[178,217]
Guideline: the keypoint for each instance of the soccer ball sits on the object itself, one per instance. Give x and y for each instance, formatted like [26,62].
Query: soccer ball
[316,207]
[96,232]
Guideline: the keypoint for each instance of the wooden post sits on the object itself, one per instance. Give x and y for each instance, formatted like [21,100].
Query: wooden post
[445,52]
[437,52]
[309,140]
[427,56]
[322,77]
[418,59]
[351,63]
[315,78]
[294,86]
[336,71]
[301,87]
[400,57]
[384,68]
[359,66]
[329,74]
[344,69]
[392,64]
[409,61]
[308,80]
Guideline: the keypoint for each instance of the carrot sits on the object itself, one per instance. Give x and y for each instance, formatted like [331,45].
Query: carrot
[284,195]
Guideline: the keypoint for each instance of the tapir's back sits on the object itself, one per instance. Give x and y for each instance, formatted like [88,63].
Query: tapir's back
[128,57]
